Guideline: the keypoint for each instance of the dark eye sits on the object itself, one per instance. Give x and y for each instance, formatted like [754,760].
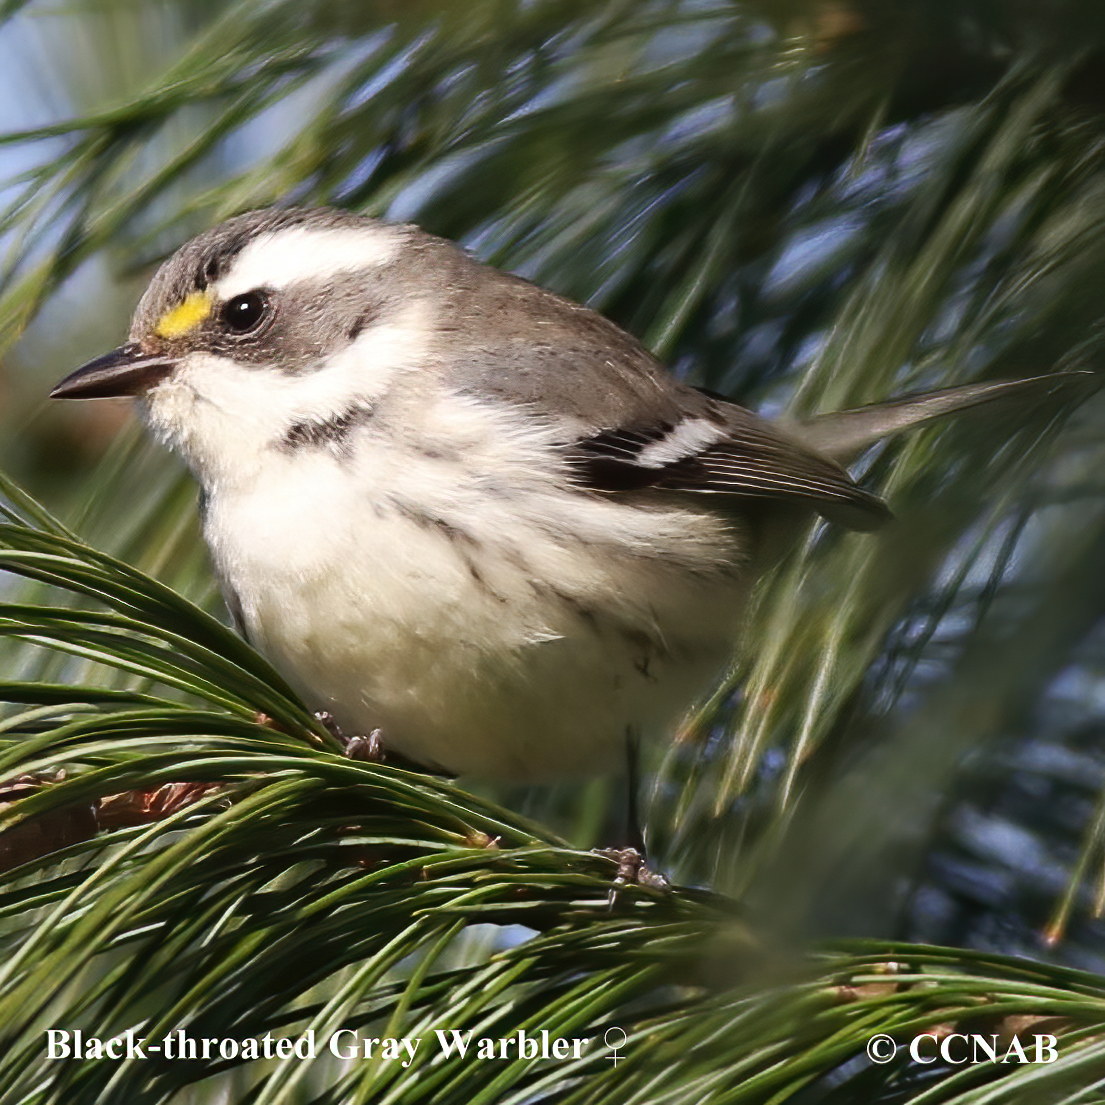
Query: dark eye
[244,312]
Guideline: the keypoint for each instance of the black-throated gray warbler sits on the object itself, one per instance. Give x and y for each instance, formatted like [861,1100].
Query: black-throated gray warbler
[453,506]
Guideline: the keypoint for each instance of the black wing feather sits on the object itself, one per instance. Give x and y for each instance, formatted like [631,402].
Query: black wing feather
[750,459]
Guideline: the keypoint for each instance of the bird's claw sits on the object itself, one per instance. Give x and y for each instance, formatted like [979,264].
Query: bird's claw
[369,749]
[372,749]
[632,871]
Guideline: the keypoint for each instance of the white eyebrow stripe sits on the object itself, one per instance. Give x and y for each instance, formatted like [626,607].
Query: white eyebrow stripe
[300,253]
[686,440]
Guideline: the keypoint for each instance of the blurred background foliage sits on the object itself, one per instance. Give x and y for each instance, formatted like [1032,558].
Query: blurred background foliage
[804,204]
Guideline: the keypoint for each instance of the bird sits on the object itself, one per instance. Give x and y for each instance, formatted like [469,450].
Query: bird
[460,511]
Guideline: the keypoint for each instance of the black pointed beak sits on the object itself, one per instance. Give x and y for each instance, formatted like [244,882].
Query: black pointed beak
[124,371]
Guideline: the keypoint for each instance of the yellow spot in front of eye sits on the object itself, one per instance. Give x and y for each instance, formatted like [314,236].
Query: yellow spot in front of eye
[185,316]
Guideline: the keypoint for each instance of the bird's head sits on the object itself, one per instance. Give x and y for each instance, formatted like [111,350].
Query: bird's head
[270,324]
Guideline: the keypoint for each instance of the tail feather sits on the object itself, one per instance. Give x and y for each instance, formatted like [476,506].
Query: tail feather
[844,434]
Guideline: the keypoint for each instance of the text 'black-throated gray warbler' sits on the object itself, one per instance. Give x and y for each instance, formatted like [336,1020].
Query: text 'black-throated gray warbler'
[455,507]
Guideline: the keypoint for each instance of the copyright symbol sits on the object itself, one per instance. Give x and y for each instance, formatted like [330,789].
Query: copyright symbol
[881,1049]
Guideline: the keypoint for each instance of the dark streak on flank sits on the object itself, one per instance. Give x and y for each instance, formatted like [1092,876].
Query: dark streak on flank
[478,578]
[429,521]
[648,648]
[577,606]
[461,541]
[332,433]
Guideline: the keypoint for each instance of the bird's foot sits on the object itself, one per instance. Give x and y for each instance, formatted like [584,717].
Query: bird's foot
[632,871]
[371,749]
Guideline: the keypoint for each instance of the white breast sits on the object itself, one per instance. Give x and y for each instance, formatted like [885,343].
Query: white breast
[485,618]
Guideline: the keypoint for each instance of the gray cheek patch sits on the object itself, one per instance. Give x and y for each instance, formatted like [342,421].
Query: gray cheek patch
[310,323]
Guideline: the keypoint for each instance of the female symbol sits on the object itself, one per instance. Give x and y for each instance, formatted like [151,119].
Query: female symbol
[614,1047]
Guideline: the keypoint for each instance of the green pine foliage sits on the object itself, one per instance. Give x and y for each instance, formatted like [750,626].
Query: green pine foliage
[808,205]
